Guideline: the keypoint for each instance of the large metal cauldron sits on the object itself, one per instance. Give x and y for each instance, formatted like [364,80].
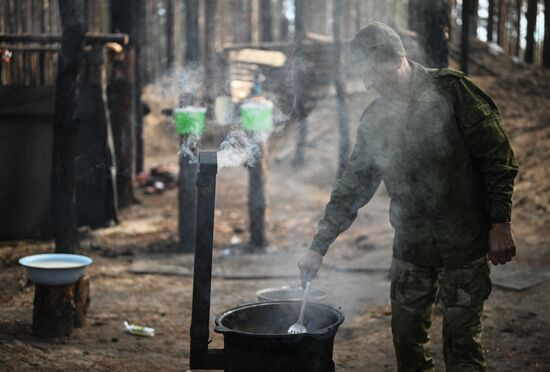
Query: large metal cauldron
[256,339]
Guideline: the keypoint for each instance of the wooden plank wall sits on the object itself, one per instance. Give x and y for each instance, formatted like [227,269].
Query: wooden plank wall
[38,66]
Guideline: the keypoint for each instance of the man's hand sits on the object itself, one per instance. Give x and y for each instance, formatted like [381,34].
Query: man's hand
[501,243]
[309,264]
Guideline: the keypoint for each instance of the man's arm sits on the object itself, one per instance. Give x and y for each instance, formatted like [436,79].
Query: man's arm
[354,189]
[488,144]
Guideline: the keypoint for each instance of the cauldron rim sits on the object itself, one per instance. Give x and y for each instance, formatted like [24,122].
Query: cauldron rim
[220,328]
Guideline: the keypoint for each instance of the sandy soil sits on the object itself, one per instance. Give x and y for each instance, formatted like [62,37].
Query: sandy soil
[516,324]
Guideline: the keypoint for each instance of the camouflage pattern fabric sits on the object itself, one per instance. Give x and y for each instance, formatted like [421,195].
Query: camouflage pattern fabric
[462,292]
[446,163]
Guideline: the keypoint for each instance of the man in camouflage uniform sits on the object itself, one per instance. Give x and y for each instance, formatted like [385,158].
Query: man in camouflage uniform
[436,141]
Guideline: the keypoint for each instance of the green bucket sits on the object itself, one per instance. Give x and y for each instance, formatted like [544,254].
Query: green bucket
[257,116]
[190,120]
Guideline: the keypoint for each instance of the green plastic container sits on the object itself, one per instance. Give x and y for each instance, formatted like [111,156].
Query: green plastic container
[190,120]
[257,116]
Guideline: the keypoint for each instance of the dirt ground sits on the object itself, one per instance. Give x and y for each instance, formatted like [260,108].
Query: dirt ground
[516,330]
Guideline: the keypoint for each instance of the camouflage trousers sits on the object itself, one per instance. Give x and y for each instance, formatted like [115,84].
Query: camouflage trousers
[462,291]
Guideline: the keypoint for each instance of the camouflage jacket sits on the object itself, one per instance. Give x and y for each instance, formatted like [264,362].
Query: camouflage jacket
[447,166]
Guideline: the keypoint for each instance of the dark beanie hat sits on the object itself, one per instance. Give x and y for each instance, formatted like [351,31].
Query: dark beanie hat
[376,43]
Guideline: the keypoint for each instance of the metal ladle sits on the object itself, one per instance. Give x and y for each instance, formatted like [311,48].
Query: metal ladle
[299,327]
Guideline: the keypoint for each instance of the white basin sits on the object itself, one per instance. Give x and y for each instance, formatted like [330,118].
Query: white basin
[55,268]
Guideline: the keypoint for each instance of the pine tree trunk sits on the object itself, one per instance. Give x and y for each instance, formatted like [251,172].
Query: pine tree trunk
[465,36]
[501,22]
[546,46]
[517,27]
[299,83]
[531,24]
[474,18]
[122,92]
[490,20]
[265,20]
[170,46]
[65,126]
[139,32]
[434,22]
[210,53]
[192,31]
[339,82]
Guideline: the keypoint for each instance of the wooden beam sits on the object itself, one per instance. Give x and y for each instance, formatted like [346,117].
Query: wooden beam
[56,38]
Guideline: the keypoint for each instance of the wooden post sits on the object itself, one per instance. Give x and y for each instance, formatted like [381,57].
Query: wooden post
[121,105]
[257,205]
[65,126]
[59,309]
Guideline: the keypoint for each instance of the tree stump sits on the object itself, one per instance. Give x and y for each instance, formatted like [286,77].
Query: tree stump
[60,309]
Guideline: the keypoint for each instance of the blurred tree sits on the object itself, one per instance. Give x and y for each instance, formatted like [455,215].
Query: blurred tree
[465,35]
[531,25]
[502,20]
[266,32]
[339,83]
[546,45]
[123,97]
[474,17]
[490,20]
[192,48]
[517,27]
[299,82]
[170,45]
[210,52]
[65,126]
[283,24]
[432,29]
[258,172]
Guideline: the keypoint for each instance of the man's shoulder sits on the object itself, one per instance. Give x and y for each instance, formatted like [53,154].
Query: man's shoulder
[446,72]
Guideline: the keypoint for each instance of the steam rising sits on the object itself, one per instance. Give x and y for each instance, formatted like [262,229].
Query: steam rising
[240,148]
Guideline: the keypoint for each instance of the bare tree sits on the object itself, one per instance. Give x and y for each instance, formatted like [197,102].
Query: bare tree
[502,18]
[65,126]
[465,35]
[210,51]
[531,24]
[433,30]
[170,46]
[122,98]
[192,47]
[546,46]
[339,83]
[265,21]
[490,20]
[299,82]
[517,27]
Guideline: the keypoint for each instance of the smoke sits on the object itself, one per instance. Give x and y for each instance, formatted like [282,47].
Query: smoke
[189,148]
[241,148]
